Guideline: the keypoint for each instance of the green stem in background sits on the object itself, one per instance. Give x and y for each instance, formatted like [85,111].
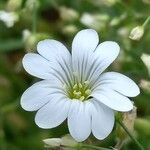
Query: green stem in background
[93,147]
[146,22]
[34,17]
[130,135]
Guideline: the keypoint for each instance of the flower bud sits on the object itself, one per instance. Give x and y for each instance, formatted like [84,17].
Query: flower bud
[68,14]
[68,141]
[13,5]
[136,33]
[70,29]
[65,141]
[52,142]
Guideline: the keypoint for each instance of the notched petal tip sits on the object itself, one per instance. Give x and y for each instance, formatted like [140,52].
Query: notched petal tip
[88,31]
[26,58]
[85,40]
[41,125]
[114,46]
[23,104]
[26,61]
[136,90]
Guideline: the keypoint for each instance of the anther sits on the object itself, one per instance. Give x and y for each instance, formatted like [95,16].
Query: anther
[88,92]
[75,86]
[82,98]
[77,94]
[80,85]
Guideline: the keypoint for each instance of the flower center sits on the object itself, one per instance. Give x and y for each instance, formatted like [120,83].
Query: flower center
[80,91]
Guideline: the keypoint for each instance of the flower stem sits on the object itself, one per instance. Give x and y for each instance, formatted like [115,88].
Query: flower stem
[93,147]
[130,135]
[34,18]
[146,22]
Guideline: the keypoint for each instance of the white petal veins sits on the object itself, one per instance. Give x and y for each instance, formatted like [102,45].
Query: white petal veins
[39,94]
[52,49]
[105,54]
[119,83]
[36,65]
[79,120]
[53,113]
[83,46]
[113,99]
[102,120]
[60,58]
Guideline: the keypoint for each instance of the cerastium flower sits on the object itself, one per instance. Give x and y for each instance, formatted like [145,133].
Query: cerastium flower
[74,87]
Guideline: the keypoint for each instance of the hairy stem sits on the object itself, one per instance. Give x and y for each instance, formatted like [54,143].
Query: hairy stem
[130,135]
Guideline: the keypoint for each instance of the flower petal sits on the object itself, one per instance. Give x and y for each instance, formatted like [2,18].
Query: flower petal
[105,54]
[36,65]
[113,99]
[119,83]
[85,40]
[79,120]
[102,120]
[59,57]
[53,113]
[38,95]
[52,49]
[83,46]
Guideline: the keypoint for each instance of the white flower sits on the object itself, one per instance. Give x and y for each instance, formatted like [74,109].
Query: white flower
[74,86]
[9,18]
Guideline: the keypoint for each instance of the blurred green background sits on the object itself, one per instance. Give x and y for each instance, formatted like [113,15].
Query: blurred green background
[25,22]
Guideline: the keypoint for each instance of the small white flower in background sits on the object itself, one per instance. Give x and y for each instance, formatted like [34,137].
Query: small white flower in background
[87,19]
[117,20]
[123,32]
[136,33]
[9,18]
[69,29]
[26,34]
[68,14]
[74,86]
[95,21]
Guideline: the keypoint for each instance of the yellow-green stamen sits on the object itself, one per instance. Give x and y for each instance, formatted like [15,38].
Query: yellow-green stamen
[80,91]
